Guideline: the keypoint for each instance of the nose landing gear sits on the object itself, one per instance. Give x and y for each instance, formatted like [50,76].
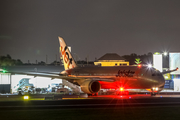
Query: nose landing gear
[153,94]
[154,91]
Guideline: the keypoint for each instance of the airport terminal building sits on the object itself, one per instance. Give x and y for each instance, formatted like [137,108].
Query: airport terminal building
[169,61]
[12,83]
[111,59]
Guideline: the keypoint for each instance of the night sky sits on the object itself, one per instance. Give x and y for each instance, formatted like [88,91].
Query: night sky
[29,29]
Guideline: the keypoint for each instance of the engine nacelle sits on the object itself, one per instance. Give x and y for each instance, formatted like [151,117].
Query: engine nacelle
[90,86]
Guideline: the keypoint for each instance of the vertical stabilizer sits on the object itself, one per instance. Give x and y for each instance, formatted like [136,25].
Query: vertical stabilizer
[68,60]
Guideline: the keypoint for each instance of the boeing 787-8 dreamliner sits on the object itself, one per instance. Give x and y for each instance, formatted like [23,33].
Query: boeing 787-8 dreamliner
[92,79]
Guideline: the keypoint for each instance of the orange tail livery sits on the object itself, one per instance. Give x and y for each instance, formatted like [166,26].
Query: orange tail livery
[68,60]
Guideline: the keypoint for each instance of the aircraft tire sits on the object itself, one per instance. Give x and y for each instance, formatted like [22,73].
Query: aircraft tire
[153,94]
[89,94]
[96,94]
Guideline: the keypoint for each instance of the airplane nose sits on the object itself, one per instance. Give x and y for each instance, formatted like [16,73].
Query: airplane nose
[162,80]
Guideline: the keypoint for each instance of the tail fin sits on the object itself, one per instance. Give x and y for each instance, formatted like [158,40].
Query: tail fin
[68,60]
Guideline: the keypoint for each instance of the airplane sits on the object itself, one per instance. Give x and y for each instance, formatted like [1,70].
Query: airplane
[92,79]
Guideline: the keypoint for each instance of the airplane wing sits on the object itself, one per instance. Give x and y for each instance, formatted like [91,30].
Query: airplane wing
[61,76]
[48,75]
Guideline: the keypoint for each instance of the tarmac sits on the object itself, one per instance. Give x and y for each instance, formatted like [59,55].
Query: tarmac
[80,107]
[81,101]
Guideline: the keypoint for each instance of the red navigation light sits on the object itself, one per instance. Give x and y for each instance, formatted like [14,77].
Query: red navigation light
[121,89]
[139,65]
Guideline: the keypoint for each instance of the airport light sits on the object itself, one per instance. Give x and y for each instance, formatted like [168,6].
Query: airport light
[4,71]
[26,97]
[165,53]
[149,66]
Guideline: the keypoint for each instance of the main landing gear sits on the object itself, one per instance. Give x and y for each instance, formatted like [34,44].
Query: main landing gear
[93,94]
[154,91]
[153,94]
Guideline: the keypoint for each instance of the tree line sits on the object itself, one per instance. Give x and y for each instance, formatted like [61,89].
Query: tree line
[8,61]
[146,58]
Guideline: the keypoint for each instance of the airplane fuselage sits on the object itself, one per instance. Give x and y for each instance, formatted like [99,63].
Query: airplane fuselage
[129,77]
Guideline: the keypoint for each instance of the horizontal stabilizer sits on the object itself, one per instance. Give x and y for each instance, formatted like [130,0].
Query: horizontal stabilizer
[169,71]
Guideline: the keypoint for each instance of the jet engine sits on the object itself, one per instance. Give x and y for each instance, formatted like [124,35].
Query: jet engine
[90,86]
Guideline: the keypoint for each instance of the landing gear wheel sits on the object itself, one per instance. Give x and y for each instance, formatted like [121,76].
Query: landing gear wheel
[93,94]
[153,94]
[96,94]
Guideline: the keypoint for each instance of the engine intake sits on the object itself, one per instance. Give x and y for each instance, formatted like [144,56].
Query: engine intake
[90,86]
